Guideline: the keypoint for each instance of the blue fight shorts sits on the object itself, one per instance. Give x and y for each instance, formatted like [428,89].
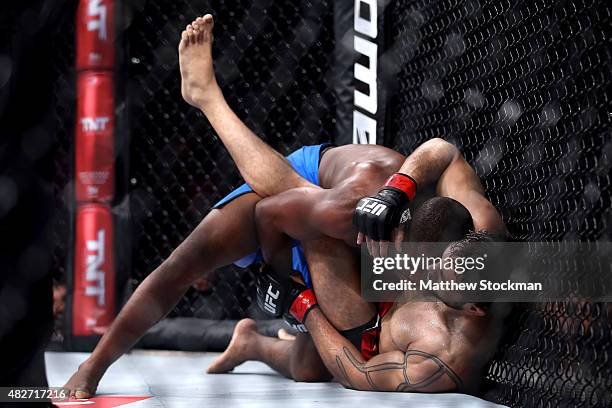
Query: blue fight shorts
[306,162]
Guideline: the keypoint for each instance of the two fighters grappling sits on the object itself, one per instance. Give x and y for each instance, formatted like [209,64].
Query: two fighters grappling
[311,197]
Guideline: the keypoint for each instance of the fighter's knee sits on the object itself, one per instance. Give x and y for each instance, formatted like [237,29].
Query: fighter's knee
[264,211]
[309,373]
[306,375]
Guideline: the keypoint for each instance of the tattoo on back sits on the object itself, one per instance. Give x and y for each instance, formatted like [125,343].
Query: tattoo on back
[406,385]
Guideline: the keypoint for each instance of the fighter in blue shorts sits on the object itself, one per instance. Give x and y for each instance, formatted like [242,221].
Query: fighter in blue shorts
[305,161]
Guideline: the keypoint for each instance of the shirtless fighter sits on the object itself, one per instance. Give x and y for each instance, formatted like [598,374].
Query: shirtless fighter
[420,346]
[346,174]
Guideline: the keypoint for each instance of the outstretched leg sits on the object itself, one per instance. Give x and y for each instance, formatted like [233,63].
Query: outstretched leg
[297,359]
[204,250]
[263,168]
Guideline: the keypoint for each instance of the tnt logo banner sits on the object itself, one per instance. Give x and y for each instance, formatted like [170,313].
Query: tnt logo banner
[95,35]
[94,271]
[94,160]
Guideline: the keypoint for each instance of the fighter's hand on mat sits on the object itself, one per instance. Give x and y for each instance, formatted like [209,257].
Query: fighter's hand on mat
[382,218]
[83,383]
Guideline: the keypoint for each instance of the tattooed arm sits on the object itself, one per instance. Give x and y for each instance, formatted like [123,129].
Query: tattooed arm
[412,371]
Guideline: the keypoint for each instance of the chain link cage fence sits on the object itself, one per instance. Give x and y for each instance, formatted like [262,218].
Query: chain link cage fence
[273,61]
[521,87]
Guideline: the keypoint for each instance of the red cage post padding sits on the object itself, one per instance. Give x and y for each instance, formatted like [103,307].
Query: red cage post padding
[94,143]
[93,306]
[94,271]
[95,35]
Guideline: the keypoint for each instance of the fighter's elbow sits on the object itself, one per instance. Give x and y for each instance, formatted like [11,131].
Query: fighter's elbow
[438,142]
[349,386]
[442,145]
[270,215]
[447,146]
[265,211]
[358,384]
[261,189]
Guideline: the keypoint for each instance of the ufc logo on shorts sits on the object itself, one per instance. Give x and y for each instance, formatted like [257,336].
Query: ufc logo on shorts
[372,207]
[271,297]
[97,18]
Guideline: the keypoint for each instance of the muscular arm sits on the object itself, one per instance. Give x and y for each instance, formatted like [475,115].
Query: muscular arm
[440,162]
[302,214]
[427,163]
[412,371]
[460,182]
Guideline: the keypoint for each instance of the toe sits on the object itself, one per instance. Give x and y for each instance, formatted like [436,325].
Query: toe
[184,40]
[191,34]
[207,27]
[198,28]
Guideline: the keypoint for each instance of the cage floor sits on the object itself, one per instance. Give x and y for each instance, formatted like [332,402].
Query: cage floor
[177,379]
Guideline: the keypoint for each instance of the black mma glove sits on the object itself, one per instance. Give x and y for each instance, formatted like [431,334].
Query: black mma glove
[271,291]
[288,298]
[378,215]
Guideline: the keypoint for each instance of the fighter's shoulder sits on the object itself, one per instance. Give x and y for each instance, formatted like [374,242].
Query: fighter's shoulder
[414,326]
[368,155]
[458,356]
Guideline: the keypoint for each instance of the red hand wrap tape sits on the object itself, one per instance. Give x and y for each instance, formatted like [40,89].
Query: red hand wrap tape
[302,304]
[403,182]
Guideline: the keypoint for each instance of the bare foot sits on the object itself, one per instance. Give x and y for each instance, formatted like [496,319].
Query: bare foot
[198,83]
[83,383]
[239,350]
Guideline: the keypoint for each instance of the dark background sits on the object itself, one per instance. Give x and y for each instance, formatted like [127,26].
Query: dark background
[521,87]
[30,187]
